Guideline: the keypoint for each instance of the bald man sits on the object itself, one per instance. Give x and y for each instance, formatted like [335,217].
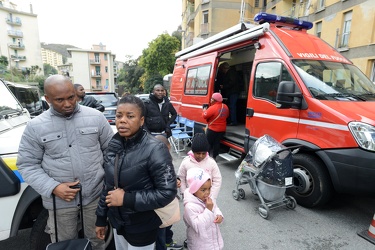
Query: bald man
[63,147]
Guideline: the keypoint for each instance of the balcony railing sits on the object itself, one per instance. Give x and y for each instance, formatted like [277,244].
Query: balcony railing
[15,33]
[17,45]
[16,57]
[189,39]
[94,61]
[98,87]
[190,14]
[96,74]
[204,29]
[14,21]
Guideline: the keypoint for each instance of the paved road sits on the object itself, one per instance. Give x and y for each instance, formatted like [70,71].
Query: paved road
[334,226]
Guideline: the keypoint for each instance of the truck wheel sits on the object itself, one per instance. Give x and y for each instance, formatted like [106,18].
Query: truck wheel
[312,183]
[40,239]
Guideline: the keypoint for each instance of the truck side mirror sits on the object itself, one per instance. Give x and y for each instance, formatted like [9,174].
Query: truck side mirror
[288,95]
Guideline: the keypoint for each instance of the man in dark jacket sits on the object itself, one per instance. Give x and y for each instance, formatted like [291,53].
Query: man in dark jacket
[230,88]
[88,101]
[160,113]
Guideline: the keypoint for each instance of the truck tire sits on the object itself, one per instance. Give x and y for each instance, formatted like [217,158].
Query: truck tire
[40,239]
[312,183]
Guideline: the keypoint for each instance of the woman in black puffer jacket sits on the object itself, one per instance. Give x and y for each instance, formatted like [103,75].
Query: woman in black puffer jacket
[146,180]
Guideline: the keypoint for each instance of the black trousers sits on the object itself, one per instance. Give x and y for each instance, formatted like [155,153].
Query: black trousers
[213,139]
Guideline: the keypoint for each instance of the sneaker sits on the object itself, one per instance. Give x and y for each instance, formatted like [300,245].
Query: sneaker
[185,243]
[173,246]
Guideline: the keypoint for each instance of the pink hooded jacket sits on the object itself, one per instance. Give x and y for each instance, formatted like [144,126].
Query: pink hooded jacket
[202,232]
[208,164]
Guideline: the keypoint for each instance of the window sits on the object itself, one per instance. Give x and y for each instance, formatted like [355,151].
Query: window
[321,4]
[106,69]
[256,4]
[105,57]
[97,70]
[197,80]
[372,77]
[318,29]
[205,16]
[267,78]
[97,58]
[98,84]
[346,29]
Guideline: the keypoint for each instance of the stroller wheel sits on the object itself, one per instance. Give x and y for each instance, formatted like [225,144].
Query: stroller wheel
[241,193]
[235,195]
[291,203]
[263,211]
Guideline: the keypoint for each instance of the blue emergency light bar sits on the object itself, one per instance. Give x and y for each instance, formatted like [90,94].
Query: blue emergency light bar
[270,18]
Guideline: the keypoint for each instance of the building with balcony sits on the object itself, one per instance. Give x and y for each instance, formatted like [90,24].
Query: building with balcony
[95,69]
[52,57]
[347,25]
[19,37]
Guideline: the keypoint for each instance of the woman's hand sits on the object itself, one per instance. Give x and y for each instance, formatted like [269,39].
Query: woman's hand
[100,232]
[115,198]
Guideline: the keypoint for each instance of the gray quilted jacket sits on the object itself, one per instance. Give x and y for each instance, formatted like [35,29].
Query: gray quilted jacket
[56,149]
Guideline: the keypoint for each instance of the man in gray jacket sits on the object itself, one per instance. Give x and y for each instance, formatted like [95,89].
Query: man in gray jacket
[63,147]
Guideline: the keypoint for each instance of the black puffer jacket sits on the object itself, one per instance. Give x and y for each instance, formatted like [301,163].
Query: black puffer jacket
[157,120]
[147,175]
[91,102]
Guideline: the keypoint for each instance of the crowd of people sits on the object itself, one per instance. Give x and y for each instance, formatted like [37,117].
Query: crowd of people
[124,176]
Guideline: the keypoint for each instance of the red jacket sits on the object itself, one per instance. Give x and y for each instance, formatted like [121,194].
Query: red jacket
[219,123]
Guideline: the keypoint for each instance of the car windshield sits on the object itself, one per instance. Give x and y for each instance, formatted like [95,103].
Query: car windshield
[335,81]
[9,106]
[106,100]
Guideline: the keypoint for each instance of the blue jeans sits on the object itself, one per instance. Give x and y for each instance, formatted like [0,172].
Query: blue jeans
[233,107]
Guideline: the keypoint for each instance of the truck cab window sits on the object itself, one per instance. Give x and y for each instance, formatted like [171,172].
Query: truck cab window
[267,78]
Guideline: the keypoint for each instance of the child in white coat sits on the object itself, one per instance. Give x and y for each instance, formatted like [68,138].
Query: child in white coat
[201,215]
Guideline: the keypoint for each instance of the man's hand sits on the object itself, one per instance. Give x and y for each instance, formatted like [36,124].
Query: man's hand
[115,198]
[100,232]
[168,132]
[63,191]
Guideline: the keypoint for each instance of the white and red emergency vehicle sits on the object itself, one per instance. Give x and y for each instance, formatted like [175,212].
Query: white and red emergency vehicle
[296,88]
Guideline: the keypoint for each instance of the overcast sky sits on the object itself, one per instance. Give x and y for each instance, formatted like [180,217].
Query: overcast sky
[124,26]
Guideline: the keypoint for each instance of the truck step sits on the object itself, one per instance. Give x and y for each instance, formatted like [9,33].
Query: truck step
[232,155]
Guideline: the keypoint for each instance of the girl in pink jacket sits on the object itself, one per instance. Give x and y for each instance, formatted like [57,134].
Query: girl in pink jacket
[198,158]
[201,215]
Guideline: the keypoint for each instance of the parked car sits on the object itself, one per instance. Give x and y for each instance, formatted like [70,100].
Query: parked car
[143,97]
[109,101]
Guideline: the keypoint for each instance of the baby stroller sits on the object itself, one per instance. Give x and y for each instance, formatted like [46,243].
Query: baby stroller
[268,169]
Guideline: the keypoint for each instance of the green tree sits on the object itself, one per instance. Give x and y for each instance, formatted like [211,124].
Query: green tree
[159,58]
[4,61]
[130,76]
[49,70]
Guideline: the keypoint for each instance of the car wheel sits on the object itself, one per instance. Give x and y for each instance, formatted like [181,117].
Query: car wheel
[312,183]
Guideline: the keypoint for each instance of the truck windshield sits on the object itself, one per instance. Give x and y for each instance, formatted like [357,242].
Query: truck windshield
[335,81]
[9,106]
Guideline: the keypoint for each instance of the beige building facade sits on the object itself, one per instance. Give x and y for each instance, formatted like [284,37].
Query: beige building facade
[19,37]
[347,25]
[52,58]
[95,69]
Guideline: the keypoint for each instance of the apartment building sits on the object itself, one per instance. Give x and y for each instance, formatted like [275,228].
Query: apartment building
[51,57]
[347,25]
[19,37]
[95,69]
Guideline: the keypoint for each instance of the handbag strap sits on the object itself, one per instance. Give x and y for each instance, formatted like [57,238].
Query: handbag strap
[81,212]
[115,174]
[217,115]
